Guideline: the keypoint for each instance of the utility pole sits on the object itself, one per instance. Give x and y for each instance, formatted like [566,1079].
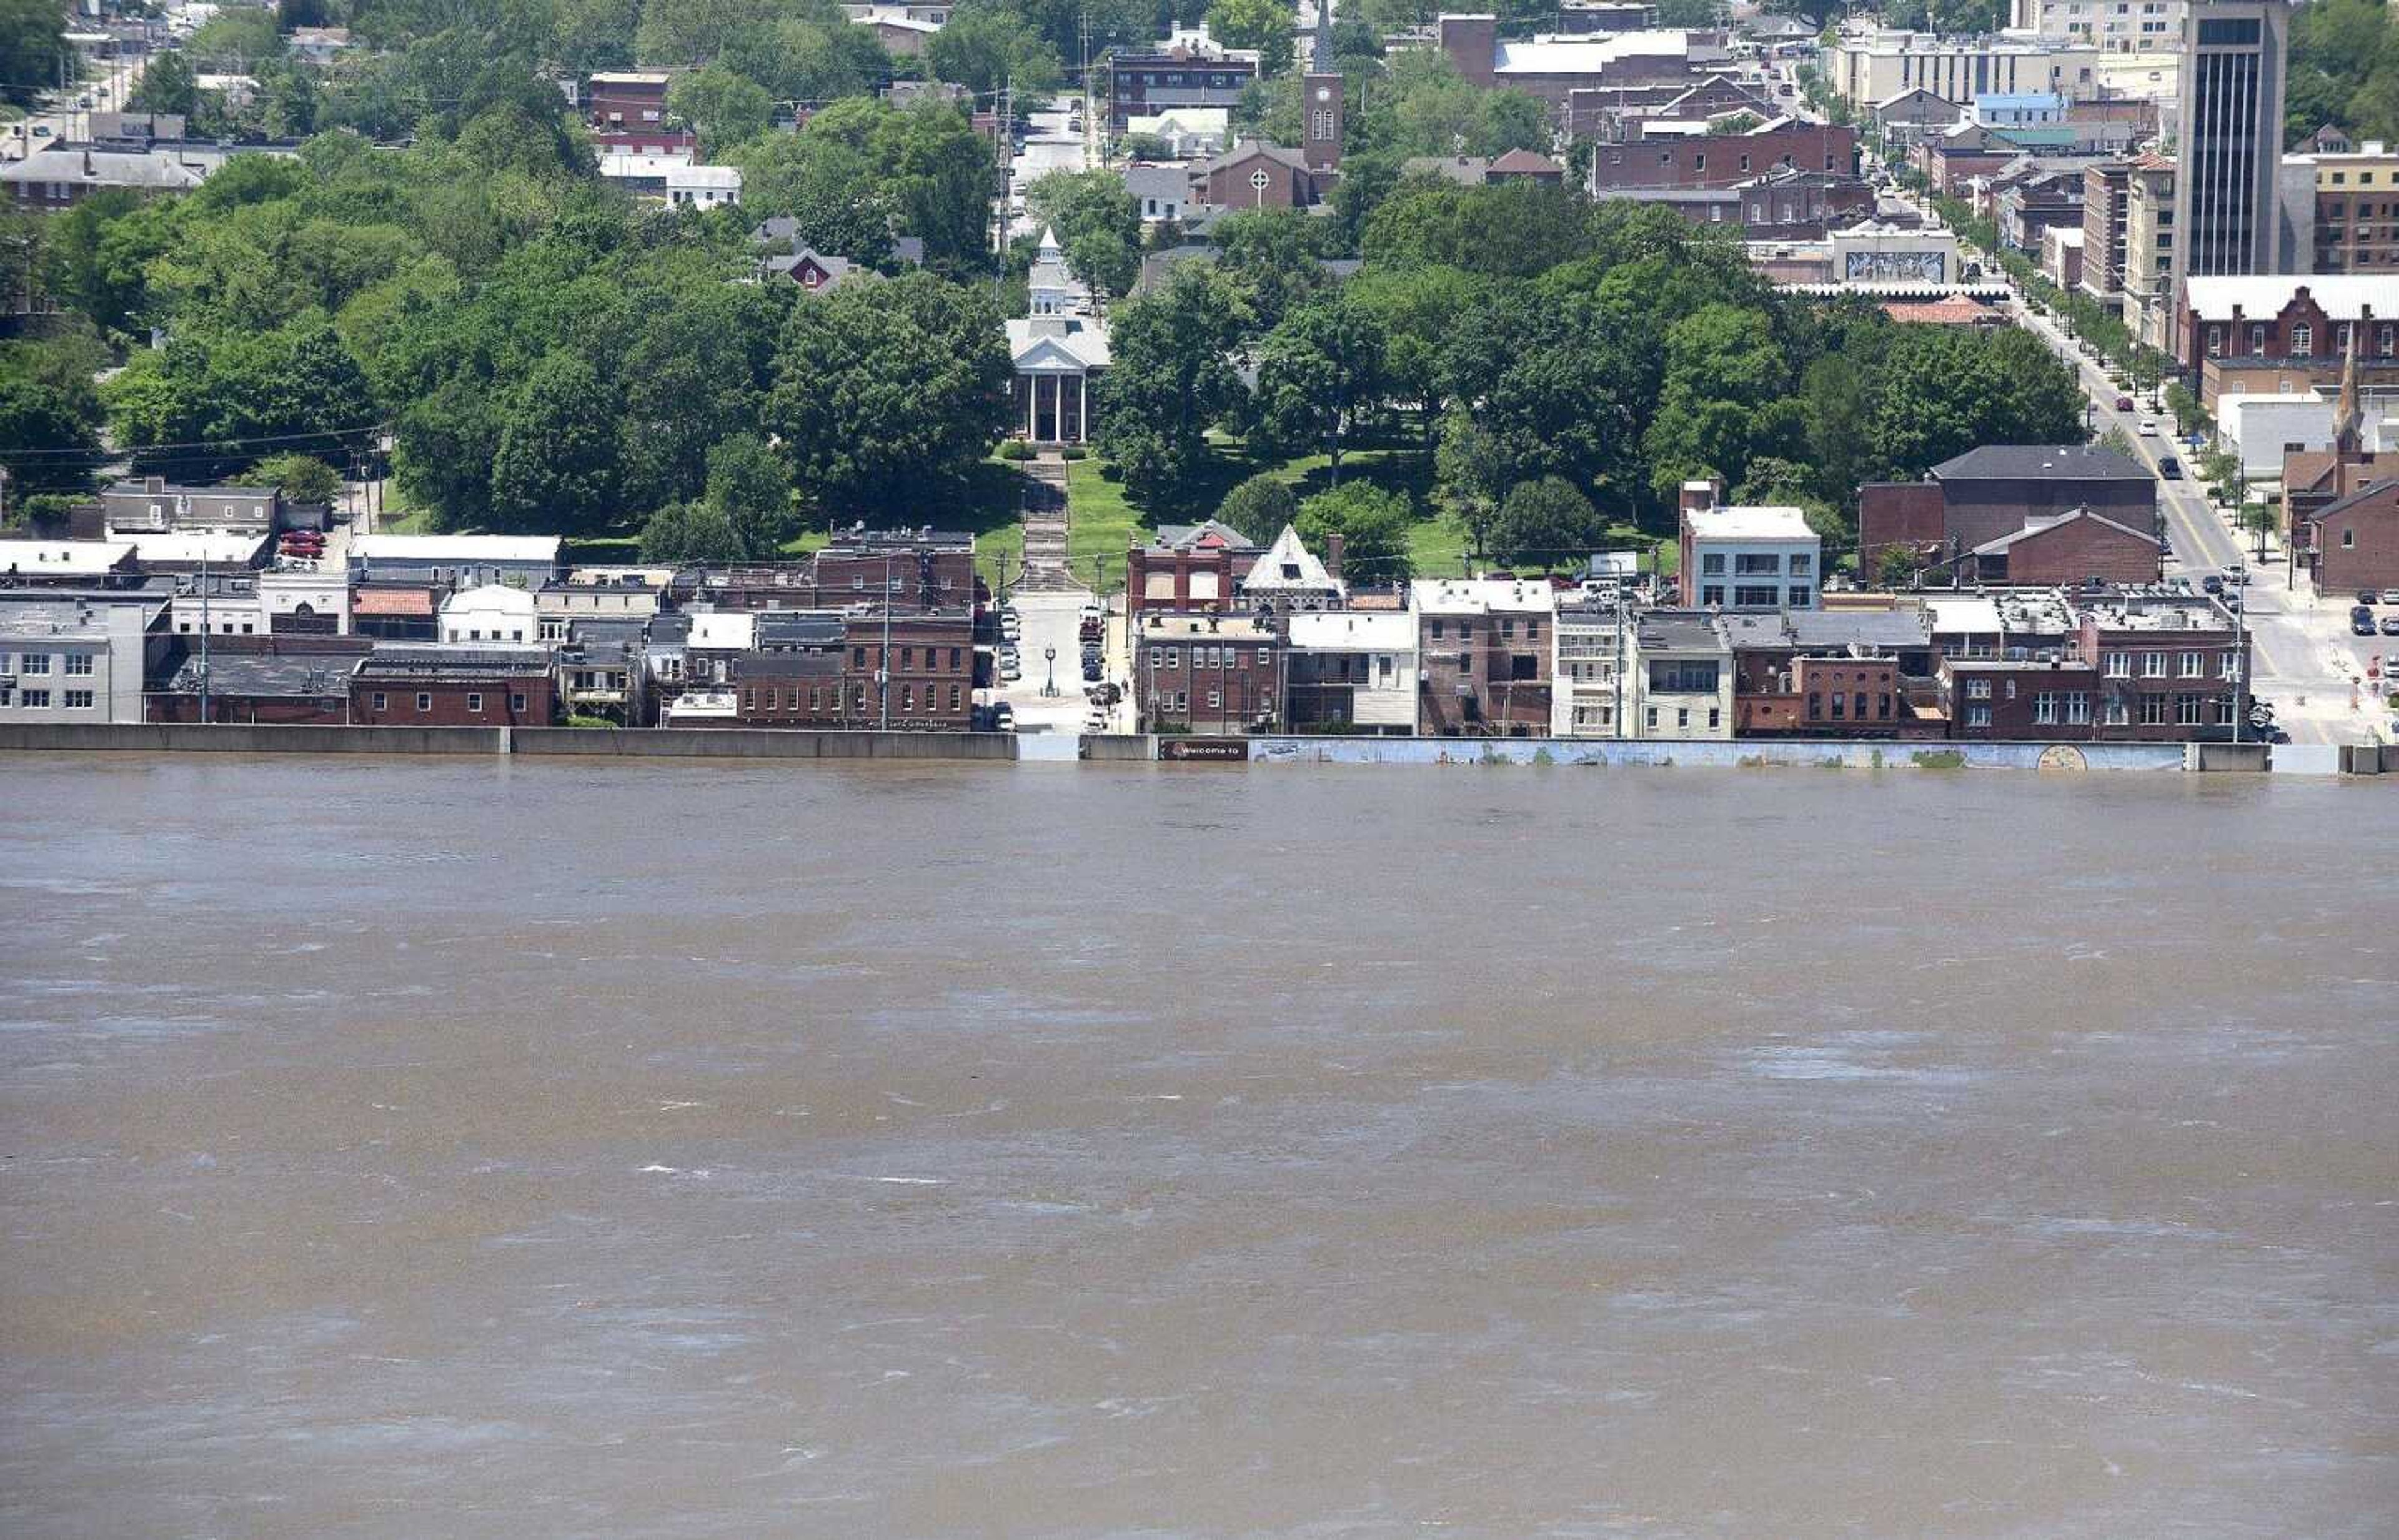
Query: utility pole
[882,663]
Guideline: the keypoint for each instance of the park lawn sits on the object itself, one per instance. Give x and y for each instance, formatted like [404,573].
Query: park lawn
[1437,546]
[1099,526]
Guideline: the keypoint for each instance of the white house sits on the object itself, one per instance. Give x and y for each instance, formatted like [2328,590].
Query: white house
[493,613]
[1353,667]
[703,186]
[1288,578]
[302,599]
[1760,558]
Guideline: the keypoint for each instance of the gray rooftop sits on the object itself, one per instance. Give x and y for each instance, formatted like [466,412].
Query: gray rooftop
[2039,462]
[1679,630]
[1821,630]
[267,674]
[403,661]
[786,666]
[799,628]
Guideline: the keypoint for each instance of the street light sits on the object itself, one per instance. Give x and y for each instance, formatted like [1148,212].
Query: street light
[1049,658]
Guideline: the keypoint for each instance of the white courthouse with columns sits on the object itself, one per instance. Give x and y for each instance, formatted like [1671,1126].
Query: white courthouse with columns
[1059,351]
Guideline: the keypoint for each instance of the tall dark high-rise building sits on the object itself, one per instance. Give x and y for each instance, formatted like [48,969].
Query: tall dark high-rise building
[2228,149]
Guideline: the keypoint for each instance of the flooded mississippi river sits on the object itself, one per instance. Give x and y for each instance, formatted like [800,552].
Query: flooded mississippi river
[459,1149]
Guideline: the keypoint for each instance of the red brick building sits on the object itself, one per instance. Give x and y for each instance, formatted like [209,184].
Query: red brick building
[1254,174]
[927,569]
[2069,547]
[913,673]
[407,685]
[1484,653]
[2279,336]
[627,100]
[2018,700]
[277,684]
[1188,568]
[2356,540]
[1206,674]
[1721,160]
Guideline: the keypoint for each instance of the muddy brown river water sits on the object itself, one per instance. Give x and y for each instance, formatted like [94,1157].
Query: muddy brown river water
[449,1148]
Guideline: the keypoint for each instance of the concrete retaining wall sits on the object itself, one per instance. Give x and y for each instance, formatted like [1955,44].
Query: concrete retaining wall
[1744,754]
[1119,747]
[761,743]
[226,739]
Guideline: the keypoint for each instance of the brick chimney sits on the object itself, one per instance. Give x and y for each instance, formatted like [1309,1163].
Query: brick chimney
[1334,545]
[1699,495]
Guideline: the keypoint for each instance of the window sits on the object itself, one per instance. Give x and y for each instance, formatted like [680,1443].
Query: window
[424,701]
[78,700]
[78,663]
[1749,563]
[378,701]
[38,698]
[517,701]
[1174,657]
[2303,341]
[2215,341]
[1978,689]
[2116,710]
[2193,664]
[1711,566]
[2187,709]
[1840,703]
[1716,717]
[1815,705]
[1653,716]
[1682,716]
[1978,716]
[35,663]
[1215,700]
[2348,542]
[1266,656]
[1712,594]
[1763,597]
[2044,707]
[2078,707]
[2153,665]
[1466,665]
[1802,565]
[2228,665]
[1686,677]
[2258,339]
[1799,597]
[954,698]
[2119,664]
[1436,630]
[2153,711]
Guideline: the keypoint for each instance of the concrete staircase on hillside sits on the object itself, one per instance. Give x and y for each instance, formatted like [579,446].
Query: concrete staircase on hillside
[1045,529]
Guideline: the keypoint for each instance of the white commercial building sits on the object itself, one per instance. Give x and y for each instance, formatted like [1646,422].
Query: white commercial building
[306,599]
[703,186]
[2117,26]
[1682,678]
[492,613]
[1869,64]
[1352,667]
[77,658]
[1587,678]
[460,560]
[1763,558]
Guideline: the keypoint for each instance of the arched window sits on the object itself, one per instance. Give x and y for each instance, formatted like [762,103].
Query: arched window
[2303,341]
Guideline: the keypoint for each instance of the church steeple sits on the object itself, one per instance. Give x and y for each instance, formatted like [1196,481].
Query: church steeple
[2349,416]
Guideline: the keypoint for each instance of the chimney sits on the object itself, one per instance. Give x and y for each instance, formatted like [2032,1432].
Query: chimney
[1699,495]
[1334,545]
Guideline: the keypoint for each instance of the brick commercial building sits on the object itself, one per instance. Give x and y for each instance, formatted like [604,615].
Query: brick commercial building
[1186,70]
[1799,674]
[284,688]
[2269,335]
[1998,490]
[2140,667]
[1206,674]
[1187,567]
[1483,654]
[407,685]
[921,568]
[1685,163]
[857,669]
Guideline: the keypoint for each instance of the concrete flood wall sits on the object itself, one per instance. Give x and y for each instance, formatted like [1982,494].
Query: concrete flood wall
[645,743]
[1720,754]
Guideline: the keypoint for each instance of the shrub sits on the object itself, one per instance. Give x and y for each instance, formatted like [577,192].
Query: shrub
[1017,448]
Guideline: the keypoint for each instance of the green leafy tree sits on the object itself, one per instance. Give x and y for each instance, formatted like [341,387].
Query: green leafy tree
[557,465]
[48,438]
[32,48]
[1320,374]
[1514,119]
[689,534]
[169,85]
[886,394]
[1374,523]
[302,478]
[1097,223]
[1271,260]
[748,483]
[724,108]
[1169,380]
[1266,25]
[1259,505]
[1542,523]
[982,46]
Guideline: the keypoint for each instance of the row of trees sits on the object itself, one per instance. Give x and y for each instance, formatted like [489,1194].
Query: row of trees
[1607,350]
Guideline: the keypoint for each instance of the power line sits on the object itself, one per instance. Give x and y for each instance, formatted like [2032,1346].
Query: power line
[147,450]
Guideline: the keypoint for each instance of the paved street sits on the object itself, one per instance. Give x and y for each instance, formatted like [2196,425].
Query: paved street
[2304,659]
[1052,145]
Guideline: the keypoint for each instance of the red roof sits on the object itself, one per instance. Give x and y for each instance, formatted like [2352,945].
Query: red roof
[394,602]
[1952,310]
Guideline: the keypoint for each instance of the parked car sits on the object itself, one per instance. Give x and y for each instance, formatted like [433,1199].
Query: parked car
[2391,596]
[2360,621]
[1090,670]
[1003,718]
[2390,624]
[2211,584]
[2365,596]
[2123,403]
